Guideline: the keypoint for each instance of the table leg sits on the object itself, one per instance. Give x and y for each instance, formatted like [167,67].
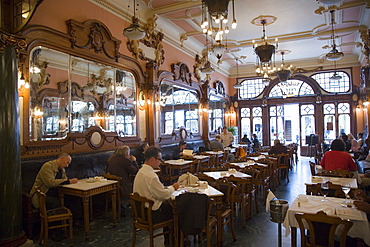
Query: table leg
[293,234]
[85,201]
[114,207]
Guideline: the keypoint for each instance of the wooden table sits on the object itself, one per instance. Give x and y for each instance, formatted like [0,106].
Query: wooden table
[200,158]
[85,190]
[181,165]
[352,182]
[209,191]
[245,164]
[221,174]
[332,207]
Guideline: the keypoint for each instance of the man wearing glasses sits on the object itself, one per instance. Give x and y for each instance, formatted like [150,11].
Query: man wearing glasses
[147,184]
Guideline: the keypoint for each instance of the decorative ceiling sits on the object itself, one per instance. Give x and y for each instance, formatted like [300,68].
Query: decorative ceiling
[302,26]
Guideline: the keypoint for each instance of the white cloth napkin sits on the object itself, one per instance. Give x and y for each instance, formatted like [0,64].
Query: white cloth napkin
[187,178]
[270,196]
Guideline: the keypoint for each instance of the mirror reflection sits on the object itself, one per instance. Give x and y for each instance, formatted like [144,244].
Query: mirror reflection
[216,111]
[71,94]
[179,109]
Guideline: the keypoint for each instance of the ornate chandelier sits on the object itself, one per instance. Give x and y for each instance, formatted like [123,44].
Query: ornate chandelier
[284,72]
[334,54]
[215,22]
[264,50]
[134,31]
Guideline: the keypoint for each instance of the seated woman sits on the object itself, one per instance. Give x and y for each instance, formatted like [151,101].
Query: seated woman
[337,158]
[177,153]
[139,154]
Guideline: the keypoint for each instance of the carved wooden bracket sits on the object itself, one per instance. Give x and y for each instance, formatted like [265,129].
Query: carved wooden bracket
[181,72]
[219,87]
[94,35]
[152,40]
[11,40]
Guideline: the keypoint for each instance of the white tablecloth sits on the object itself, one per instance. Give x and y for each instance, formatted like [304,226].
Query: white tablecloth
[332,207]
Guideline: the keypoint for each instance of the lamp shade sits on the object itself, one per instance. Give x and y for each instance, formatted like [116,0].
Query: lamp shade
[335,77]
[334,55]
[283,75]
[134,31]
[264,52]
[208,69]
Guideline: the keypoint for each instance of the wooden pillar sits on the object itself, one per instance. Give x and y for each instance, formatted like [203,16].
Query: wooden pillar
[11,233]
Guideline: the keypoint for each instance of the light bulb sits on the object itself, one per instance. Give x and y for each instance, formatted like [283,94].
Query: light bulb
[234,24]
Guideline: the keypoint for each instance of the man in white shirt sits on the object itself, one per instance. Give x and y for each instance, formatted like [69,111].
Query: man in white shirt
[227,137]
[147,184]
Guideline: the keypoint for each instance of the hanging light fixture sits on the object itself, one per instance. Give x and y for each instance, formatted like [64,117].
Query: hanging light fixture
[134,31]
[334,54]
[335,77]
[215,19]
[284,72]
[207,69]
[265,51]
[237,84]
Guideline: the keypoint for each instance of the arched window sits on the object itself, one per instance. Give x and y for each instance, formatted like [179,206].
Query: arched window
[333,86]
[251,88]
[291,88]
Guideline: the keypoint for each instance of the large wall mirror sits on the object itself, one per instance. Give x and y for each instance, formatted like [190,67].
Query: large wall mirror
[70,94]
[179,109]
[217,108]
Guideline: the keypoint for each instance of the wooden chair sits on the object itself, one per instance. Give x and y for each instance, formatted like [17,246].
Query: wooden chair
[118,194]
[141,208]
[263,179]
[59,217]
[228,189]
[192,215]
[322,229]
[345,174]
[283,161]
[241,197]
[252,188]
[335,190]
[312,168]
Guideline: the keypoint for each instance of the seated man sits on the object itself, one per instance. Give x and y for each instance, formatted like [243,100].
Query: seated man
[278,148]
[147,184]
[51,175]
[177,153]
[216,145]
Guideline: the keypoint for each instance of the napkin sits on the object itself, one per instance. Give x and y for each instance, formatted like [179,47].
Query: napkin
[187,178]
[270,196]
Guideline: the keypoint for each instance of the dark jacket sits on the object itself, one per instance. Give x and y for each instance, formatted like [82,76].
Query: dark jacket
[193,212]
[123,167]
[140,158]
[278,149]
[176,153]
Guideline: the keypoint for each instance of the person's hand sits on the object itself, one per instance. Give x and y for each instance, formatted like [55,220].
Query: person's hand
[73,180]
[363,206]
[361,195]
[176,185]
[133,158]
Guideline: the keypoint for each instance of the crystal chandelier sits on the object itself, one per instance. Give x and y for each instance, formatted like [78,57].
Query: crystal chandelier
[265,61]
[334,54]
[134,31]
[215,22]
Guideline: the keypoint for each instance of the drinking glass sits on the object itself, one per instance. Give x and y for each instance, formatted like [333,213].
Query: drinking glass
[346,189]
[324,191]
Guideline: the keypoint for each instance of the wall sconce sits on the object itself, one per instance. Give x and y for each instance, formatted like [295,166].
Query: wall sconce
[366,103]
[21,80]
[37,113]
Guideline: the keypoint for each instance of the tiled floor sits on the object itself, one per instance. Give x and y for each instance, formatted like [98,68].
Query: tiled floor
[260,231]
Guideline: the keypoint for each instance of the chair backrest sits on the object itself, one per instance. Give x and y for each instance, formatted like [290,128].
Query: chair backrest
[241,185]
[312,168]
[322,229]
[42,204]
[345,174]
[228,189]
[119,179]
[331,173]
[211,181]
[141,208]
[283,159]
[335,190]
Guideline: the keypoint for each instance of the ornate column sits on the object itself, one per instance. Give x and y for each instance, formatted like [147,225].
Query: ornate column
[11,233]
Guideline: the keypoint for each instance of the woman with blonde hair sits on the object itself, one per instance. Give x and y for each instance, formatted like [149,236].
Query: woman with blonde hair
[354,144]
